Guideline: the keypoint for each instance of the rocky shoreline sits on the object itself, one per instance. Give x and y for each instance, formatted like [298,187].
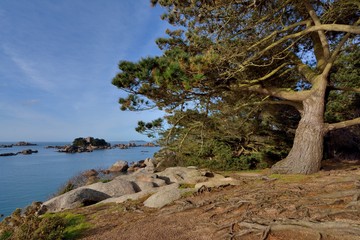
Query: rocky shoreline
[241,204]
[138,180]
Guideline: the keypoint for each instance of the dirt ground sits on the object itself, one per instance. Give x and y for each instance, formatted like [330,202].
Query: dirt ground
[321,206]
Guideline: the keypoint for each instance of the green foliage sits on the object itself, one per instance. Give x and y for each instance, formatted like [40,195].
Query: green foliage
[151,129]
[225,141]
[29,226]
[79,142]
[98,142]
[83,142]
[75,224]
[186,185]
[105,180]
[346,74]
[221,73]
[50,227]
[6,235]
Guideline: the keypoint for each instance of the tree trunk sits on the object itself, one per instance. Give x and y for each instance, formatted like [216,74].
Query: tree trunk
[307,151]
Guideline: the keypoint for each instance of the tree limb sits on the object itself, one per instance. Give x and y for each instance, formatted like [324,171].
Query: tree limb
[348,89]
[343,124]
[285,94]
[270,74]
[328,27]
[298,106]
[303,68]
[337,50]
[321,33]
[335,27]
[273,34]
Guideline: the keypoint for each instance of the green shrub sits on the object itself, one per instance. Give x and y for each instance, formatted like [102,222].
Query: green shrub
[6,235]
[56,226]
[79,142]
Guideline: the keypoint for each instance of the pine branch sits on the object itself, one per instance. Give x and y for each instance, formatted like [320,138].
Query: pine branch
[337,50]
[343,124]
[328,27]
[285,94]
[265,77]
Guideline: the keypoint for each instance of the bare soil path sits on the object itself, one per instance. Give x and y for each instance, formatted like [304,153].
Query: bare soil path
[323,206]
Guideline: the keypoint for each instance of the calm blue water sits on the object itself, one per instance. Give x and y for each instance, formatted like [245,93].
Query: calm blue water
[28,178]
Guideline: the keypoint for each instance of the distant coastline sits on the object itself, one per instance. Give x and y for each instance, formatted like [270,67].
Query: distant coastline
[21,143]
[88,144]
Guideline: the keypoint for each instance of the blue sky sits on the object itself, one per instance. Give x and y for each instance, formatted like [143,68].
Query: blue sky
[57,60]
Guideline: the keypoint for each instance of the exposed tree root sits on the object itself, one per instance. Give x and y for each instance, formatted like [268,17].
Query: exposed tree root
[340,229]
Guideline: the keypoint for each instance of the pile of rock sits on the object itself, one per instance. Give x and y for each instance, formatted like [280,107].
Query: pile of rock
[28,151]
[149,144]
[124,146]
[75,149]
[6,145]
[133,144]
[88,144]
[54,147]
[22,143]
[78,149]
[161,187]
[119,166]
[24,152]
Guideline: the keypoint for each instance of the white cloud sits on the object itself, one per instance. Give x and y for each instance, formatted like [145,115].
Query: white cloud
[29,69]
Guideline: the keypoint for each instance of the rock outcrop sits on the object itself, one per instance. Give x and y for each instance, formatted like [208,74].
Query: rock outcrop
[22,143]
[182,175]
[6,145]
[88,144]
[161,188]
[75,149]
[75,198]
[7,154]
[115,188]
[24,152]
[89,195]
[119,166]
[166,195]
[28,151]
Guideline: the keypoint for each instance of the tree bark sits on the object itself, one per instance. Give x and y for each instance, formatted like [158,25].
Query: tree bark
[307,151]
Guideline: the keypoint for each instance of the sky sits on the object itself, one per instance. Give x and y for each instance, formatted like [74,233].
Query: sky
[57,60]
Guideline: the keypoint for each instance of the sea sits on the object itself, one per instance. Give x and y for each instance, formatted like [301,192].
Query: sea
[36,177]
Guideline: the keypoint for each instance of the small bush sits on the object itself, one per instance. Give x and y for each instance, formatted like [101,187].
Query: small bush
[5,235]
[56,226]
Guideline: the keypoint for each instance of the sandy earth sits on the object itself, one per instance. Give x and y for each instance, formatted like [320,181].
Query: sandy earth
[322,206]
